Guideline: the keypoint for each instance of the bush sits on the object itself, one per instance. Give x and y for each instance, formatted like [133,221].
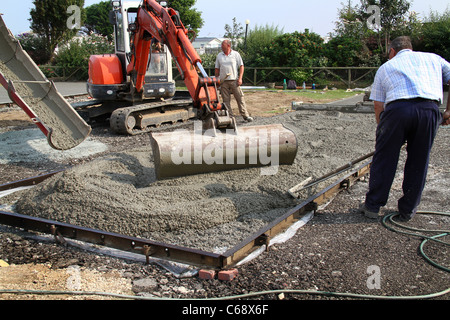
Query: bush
[300,76]
[209,60]
[73,57]
[343,51]
[259,38]
[35,46]
[293,50]
[436,35]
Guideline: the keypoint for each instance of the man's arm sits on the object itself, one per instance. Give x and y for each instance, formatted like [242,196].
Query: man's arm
[241,75]
[446,76]
[217,66]
[379,108]
[378,93]
[446,120]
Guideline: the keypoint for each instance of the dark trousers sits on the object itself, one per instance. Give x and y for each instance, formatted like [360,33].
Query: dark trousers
[412,121]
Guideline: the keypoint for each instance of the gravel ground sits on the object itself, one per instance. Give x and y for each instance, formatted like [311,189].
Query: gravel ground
[339,250]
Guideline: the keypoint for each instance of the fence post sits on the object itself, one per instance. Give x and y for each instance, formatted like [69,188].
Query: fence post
[349,78]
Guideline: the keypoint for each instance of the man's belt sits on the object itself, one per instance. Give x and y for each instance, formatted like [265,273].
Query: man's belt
[415,100]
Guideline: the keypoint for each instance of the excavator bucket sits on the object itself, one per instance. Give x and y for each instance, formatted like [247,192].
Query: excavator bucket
[37,96]
[183,152]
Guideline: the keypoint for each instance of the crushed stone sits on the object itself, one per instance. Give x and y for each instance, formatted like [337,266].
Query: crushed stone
[30,145]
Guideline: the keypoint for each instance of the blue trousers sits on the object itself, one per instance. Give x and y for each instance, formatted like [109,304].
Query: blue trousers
[412,121]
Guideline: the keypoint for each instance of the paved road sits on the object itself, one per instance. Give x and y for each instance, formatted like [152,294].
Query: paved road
[76,88]
[65,88]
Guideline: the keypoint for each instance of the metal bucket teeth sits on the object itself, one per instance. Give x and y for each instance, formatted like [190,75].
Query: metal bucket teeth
[183,152]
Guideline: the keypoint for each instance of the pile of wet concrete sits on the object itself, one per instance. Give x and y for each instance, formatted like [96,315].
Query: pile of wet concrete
[213,212]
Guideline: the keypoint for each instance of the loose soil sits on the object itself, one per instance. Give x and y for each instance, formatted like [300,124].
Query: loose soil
[332,252]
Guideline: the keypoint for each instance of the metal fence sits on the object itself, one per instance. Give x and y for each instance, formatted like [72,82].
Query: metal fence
[337,76]
[347,77]
[57,73]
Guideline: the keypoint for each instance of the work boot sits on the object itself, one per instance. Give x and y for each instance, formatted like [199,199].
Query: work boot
[367,213]
[401,218]
[248,119]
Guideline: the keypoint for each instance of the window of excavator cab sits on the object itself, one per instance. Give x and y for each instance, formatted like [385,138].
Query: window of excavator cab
[132,16]
[158,64]
[120,45]
[158,60]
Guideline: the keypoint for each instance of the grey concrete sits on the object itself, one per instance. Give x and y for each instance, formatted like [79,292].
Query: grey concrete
[358,97]
[352,104]
[65,88]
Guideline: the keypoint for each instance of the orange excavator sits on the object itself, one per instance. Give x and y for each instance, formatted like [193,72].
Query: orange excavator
[219,144]
[215,145]
[137,81]
[156,22]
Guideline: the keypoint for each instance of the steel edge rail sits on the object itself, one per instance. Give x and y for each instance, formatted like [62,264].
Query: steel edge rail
[170,252]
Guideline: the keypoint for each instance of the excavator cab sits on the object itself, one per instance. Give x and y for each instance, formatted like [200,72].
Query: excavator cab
[159,81]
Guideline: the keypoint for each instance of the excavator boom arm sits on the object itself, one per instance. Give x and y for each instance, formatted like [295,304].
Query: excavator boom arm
[155,21]
[164,24]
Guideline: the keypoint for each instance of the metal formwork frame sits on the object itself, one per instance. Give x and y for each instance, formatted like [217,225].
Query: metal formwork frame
[170,252]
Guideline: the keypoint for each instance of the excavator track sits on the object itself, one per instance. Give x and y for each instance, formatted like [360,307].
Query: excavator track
[142,118]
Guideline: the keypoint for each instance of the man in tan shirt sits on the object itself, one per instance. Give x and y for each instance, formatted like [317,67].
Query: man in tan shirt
[230,70]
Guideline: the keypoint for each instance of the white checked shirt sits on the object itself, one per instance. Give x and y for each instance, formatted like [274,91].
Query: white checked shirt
[411,75]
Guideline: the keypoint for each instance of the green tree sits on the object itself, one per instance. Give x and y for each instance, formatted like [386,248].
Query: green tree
[352,42]
[191,17]
[49,20]
[97,19]
[73,57]
[35,47]
[234,32]
[342,51]
[435,35]
[349,23]
[393,14]
[293,50]
[392,19]
[258,39]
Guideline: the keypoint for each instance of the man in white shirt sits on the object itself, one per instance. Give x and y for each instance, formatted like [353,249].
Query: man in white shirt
[407,92]
[230,71]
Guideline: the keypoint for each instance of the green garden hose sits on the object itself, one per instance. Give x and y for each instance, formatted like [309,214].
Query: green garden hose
[400,228]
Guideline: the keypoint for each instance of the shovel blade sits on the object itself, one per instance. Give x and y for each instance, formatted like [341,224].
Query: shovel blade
[182,153]
[37,96]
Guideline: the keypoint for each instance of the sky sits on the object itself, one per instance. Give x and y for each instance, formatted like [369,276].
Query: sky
[292,15]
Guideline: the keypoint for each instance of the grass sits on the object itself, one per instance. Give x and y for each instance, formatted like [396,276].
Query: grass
[309,94]
[326,95]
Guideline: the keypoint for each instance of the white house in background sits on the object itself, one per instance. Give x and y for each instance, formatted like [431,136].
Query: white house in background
[207,45]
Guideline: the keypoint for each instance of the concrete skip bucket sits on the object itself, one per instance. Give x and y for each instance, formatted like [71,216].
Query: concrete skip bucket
[37,96]
[183,152]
